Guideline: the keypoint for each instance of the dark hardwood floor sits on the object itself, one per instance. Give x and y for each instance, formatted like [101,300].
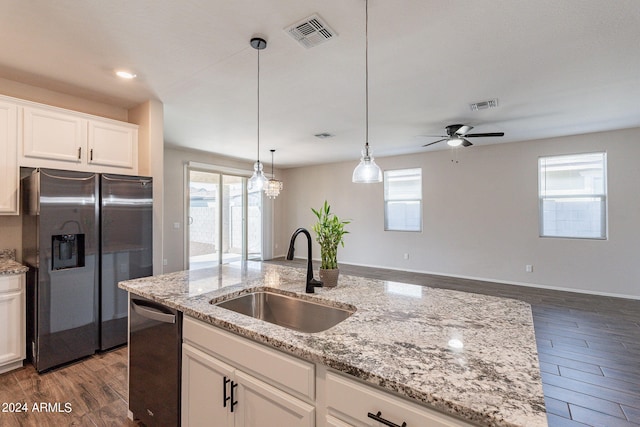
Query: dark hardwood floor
[588,346]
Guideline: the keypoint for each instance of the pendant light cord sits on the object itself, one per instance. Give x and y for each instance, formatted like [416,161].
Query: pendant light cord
[258,105]
[366,72]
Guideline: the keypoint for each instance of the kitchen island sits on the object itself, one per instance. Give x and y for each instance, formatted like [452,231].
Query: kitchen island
[467,355]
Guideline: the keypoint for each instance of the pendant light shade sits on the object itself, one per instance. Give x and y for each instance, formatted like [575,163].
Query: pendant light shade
[273,185]
[367,170]
[258,180]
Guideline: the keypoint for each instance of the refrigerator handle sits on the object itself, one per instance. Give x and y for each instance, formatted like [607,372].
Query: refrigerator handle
[153,313]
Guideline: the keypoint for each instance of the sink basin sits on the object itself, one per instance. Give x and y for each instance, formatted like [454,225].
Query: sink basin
[288,311]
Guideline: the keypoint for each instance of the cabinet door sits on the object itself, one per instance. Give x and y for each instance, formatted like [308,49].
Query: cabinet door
[113,145]
[262,405]
[9,172]
[204,389]
[12,313]
[54,136]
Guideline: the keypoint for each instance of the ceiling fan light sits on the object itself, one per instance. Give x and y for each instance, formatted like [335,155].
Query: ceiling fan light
[455,141]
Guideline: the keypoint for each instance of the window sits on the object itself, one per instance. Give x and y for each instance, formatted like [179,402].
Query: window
[573,196]
[403,200]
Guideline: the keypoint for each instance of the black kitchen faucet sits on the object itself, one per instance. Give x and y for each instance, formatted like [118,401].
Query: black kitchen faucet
[311,282]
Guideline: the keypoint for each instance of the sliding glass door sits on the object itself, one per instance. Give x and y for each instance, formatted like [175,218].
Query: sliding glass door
[224,219]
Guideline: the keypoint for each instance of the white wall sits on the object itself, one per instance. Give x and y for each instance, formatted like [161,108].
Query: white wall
[480,216]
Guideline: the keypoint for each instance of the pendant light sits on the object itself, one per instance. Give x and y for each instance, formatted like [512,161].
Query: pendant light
[273,185]
[258,180]
[367,171]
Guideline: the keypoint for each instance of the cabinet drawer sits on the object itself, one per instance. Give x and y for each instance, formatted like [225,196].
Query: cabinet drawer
[351,402]
[11,283]
[286,372]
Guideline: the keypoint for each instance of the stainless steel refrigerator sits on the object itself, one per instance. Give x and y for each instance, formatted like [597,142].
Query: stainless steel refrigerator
[82,233]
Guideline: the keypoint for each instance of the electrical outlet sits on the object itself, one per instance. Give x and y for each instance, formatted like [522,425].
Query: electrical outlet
[176,225]
[406,256]
[528,268]
[165,262]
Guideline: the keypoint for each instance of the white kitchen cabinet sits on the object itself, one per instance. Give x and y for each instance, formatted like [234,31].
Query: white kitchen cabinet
[112,144]
[230,381]
[12,318]
[63,139]
[204,389]
[352,403]
[52,136]
[9,171]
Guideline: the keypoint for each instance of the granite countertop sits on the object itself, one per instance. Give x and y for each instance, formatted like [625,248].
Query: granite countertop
[466,354]
[8,263]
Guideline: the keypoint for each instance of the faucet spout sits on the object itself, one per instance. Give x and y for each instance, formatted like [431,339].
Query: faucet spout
[311,282]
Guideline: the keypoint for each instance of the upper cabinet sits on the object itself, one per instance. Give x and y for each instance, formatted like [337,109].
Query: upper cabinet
[9,171]
[113,144]
[52,136]
[63,139]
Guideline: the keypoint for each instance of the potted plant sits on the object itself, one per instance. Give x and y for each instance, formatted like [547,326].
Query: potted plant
[329,234]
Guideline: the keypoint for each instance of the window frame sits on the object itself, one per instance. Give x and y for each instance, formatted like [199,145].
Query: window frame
[604,229]
[386,201]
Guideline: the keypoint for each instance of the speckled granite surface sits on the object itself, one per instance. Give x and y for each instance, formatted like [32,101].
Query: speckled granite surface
[466,354]
[8,264]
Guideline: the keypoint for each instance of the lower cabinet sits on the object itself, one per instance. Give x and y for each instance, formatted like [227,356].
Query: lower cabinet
[217,393]
[12,313]
[350,403]
[230,381]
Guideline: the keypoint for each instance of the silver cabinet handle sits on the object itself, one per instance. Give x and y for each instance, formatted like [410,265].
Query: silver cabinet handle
[153,313]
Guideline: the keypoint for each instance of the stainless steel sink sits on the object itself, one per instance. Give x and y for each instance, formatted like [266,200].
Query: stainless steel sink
[288,311]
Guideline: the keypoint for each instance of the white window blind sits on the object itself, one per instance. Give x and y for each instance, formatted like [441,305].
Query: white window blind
[573,196]
[403,200]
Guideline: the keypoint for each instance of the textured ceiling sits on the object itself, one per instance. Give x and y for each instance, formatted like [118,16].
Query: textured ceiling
[558,67]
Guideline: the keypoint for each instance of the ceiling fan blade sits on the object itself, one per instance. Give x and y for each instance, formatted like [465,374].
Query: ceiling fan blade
[466,143]
[434,142]
[463,129]
[479,135]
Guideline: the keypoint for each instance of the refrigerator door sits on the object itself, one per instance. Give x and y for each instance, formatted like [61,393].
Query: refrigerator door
[126,248]
[65,301]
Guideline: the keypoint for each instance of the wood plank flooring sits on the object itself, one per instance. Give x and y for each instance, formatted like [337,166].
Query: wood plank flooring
[588,346]
[91,392]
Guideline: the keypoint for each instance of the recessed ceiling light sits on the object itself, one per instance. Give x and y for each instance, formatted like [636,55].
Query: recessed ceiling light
[125,74]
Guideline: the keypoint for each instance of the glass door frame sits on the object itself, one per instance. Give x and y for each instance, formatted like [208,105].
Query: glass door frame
[222,171]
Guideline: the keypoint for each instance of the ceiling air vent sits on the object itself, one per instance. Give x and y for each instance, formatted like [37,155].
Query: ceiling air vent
[324,135]
[311,31]
[483,105]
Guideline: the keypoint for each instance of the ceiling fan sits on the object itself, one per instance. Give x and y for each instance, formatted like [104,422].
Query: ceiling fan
[457,135]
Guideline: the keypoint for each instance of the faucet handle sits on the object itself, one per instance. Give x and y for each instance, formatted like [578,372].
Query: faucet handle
[313,283]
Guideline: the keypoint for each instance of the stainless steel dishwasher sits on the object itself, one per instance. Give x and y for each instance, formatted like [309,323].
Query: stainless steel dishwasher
[155,340]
